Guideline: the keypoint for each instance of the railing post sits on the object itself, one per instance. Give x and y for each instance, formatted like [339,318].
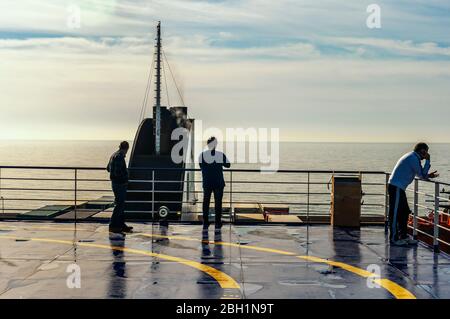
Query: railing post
[307,198]
[1,197]
[188,188]
[386,204]
[436,218]
[416,207]
[231,198]
[75,197]
[153,195]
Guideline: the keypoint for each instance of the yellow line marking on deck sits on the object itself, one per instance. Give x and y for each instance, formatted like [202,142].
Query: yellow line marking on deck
[225,281]
[45,228]
[395,289]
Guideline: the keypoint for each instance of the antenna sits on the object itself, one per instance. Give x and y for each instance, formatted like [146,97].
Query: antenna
[158,90]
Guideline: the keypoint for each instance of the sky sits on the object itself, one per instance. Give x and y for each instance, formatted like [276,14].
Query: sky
[311,68]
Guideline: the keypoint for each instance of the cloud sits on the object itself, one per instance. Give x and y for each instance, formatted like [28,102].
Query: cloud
[419,21]
[311,68]
[205,49]
[72,45]
[397,47]
[79,88]
[198,48]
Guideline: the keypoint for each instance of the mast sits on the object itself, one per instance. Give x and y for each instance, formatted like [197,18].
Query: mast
[158,91]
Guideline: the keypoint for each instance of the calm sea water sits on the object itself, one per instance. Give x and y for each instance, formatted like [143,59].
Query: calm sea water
[326,156]
[303,156]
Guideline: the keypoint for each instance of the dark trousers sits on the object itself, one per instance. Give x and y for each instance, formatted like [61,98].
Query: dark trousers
[218,195]
[398,213]
[118,215]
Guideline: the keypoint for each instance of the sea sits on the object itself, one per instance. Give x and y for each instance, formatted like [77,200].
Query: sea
[22,189]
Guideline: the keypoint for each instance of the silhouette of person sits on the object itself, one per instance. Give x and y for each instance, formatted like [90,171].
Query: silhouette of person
[212,163]
[118,173]
[407,169]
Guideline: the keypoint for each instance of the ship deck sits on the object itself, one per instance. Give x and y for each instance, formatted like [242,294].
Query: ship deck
[36,260]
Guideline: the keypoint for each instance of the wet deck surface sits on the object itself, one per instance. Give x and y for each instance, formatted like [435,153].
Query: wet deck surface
[238,262]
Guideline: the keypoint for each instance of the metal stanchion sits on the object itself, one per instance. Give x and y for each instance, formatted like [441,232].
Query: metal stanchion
[386,205]
[416,207]
[1,197]
[436,218]
[76,187]
[153,196]
[231,199]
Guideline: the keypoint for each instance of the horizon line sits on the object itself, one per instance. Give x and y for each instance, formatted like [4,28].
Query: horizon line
[282,141]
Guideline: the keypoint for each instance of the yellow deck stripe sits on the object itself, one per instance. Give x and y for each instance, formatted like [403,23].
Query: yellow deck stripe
[395,289]
[222,243]
[225,281]
[45,228]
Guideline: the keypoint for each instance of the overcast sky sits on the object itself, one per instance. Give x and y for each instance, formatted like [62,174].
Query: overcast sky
[311,68]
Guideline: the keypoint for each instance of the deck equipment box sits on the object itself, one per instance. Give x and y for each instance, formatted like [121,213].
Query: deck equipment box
[346,195]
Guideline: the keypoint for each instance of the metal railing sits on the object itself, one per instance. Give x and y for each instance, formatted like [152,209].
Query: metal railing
[435,225]
[305,193]
[305,189]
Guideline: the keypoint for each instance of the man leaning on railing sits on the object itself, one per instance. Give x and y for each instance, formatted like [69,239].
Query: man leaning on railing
[407,168]
[118,173]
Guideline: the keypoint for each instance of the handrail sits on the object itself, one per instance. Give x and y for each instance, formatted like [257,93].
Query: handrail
[242,192]
[313,197]
[197,169]
[226,170]
[433,182]
[368,172]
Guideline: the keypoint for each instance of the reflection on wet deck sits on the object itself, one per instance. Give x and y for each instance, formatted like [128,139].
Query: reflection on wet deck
[239,262]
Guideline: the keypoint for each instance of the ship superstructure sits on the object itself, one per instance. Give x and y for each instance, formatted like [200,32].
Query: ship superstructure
[160,191]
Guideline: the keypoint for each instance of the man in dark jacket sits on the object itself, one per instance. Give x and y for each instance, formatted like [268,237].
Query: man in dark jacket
[118,173]
[211,163]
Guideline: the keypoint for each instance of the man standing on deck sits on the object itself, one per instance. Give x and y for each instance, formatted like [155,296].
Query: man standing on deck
[118,173]
[211,163]
[407,168]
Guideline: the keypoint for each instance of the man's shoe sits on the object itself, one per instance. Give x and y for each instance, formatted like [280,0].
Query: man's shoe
[127,229]
[411,242]
[400,243]
[126,226]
